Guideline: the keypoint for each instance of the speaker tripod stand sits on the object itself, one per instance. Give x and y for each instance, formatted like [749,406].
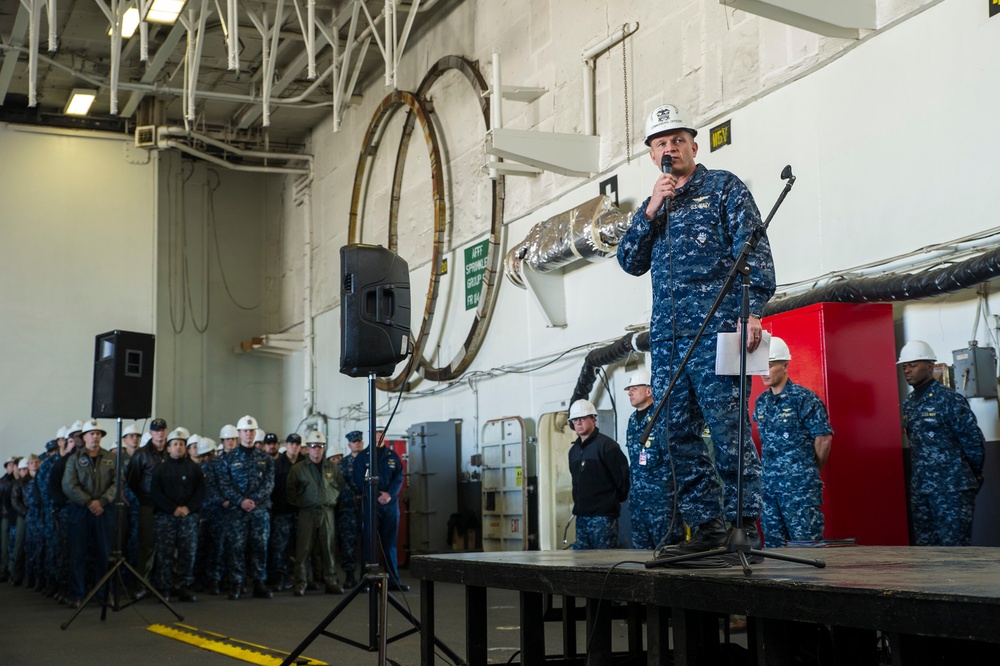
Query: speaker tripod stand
[113,578]
[373,581]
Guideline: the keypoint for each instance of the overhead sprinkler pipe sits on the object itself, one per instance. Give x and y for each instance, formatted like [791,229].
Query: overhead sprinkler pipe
[590,56]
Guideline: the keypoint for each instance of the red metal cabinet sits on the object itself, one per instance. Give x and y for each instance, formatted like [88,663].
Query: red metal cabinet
[846,354]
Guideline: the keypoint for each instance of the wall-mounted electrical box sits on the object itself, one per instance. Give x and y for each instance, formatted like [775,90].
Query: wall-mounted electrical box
[976,371]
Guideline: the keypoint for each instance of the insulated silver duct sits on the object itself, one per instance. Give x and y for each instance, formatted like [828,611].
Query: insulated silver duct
[591,231]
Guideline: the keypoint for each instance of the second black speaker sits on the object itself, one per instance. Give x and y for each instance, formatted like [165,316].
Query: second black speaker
[123,375]
[375,310]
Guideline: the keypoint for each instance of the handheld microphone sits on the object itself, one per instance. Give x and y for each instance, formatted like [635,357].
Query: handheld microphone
[666,166]
[666,163]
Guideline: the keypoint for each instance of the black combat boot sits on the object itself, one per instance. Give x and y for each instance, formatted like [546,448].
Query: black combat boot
[709,536]
[262,591]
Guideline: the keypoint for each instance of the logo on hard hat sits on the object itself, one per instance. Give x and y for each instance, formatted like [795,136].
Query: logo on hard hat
[663,114]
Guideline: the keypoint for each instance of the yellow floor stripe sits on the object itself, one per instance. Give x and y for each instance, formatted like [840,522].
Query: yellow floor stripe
[208,640]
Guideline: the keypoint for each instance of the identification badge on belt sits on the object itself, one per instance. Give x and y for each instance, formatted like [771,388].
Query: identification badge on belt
[642,457]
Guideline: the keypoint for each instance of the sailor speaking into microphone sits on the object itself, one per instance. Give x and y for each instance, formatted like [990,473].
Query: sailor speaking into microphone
[687,235]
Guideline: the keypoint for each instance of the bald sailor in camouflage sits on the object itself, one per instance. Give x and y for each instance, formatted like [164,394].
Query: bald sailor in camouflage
[947,451]
[689,253]
[795,440]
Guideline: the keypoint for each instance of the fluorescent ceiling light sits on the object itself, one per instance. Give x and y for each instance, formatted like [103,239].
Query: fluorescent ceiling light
[79,102]
[130,21]
[164,11]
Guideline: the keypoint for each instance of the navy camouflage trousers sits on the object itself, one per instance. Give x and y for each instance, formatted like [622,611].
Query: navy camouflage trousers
[596,532]
[176,542]
[247,534]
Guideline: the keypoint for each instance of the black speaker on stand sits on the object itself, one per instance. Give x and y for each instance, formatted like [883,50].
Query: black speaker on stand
[123,375]
[123,388]
[374,337]
[374,310]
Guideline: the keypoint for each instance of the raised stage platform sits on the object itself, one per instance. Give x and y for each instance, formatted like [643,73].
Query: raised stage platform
[897,605]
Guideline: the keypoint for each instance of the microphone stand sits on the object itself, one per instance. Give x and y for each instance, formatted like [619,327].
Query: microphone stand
[737,541]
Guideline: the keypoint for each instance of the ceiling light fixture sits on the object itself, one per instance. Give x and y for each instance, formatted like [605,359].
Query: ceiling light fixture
[130,22]
[79,102]
[164,11]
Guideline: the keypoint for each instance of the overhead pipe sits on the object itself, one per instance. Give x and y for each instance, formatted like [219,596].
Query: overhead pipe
[890,288]
[590,55]
[52,18]
[893,288]
[179,92]
[242,152]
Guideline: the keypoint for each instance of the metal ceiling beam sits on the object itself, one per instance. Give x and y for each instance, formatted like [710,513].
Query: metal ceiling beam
[155,67]
[10,57]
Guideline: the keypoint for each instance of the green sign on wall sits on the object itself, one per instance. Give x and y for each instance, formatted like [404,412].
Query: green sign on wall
[475,269]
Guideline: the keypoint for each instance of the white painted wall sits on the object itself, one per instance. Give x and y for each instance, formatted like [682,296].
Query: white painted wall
[214,292]
[77,259]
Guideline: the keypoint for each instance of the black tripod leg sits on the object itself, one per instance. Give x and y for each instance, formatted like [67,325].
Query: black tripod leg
[153,590]
[819,564]
[321,627]
[90,595]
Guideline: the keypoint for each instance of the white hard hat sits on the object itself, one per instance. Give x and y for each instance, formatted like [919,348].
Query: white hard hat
[205,445]
[259,436]
[147,437]
[76,427]
[193,439]
[134,429]
[247,423]
[229,431]
[667,118]
[582,408]
[62,432]
[23,463]
[315,437]
[178,433]
[91,426]
[916,350]
[778,350]
[638,378]
[334,451]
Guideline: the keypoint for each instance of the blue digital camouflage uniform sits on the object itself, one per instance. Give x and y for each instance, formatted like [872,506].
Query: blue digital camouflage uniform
[789,424]
[50,565]
[348,517]
[711,218]
[247,473]
[390,480]
[34,534]
[170,533]
[947,454]
[651,496]
[209,562]
[596,533]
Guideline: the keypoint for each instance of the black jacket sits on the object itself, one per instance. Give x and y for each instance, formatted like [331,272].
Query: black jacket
[6,486]
[140,469]
[600,476]
[279,496]
[177,483]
